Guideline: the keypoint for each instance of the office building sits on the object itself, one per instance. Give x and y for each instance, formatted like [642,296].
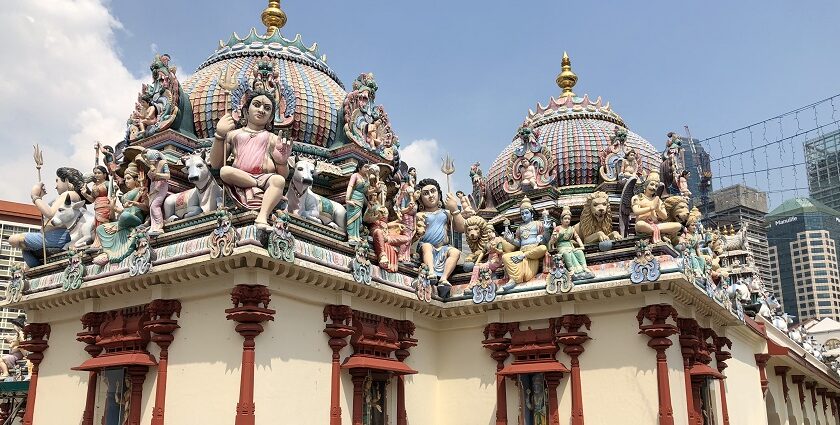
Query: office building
[803,234]
[822,158]
[14,218]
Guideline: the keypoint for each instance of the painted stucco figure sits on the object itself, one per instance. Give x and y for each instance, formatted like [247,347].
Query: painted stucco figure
[650,211]
[117,239]
[433,235]
[355,200]
[259,157]
[158,175]
[529,241]
[564,237]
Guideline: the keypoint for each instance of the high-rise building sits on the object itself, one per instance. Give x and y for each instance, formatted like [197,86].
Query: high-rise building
[736,205]
[698,164]
[822,157]
[804,234]
[14,218]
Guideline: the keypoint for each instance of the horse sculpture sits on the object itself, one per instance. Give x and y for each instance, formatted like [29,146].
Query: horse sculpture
[78,221]
[308,205]
[204,197]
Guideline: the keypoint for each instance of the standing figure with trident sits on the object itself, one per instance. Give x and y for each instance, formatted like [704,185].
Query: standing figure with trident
[34,246]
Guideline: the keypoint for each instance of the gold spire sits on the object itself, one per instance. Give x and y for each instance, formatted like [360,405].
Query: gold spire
[273,17]
[566,79]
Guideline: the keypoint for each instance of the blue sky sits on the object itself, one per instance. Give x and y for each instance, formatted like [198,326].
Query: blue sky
[465,73]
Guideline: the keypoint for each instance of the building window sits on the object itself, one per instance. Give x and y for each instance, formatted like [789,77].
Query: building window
[825,311]
[823,296]
[112,397]
[824,303]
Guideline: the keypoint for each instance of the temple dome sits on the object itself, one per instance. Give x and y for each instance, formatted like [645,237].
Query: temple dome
[319,94]
[575,130]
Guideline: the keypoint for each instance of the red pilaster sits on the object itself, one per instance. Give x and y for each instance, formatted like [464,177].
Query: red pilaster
[799,380]
[721,356]
[338,331]
[162,325]
[689,341]
[249,316]
[552,380]
[659,332]
[358,377]
[136,375]
[573,340]
[831,402]
[813,387]
[761,362]
[821,392]
[405,330]
[496,340]
[91,323]
[36,335]
[782,371]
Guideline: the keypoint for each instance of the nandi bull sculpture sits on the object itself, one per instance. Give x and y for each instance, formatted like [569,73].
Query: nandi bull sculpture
[308,205]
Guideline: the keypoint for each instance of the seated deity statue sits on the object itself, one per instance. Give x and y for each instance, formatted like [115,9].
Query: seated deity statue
[651,213]
[563,240]
[260,157]
[432,231]
[69,185]
[116,239]
[529,239]
[629,166]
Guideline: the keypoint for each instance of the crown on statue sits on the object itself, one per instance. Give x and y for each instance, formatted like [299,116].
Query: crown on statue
[525,204]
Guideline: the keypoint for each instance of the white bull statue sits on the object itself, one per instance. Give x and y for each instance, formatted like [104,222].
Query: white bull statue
[308,205]
[206,196]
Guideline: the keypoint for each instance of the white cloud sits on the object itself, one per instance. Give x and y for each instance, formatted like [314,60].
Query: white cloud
[63,87]
[426,156]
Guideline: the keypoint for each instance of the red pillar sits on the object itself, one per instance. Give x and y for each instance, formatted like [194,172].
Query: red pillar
[689,340]
[761,361]
[496,341]
[358,377]
[821,393]
[721,356]
[405,330]
[37,335]
[659,332]
[338,331]
[162,325]
[249,317]
[91,323]
[573,340]
[813,386]
[552,380]
[799,380]
[782,371]
[136,375]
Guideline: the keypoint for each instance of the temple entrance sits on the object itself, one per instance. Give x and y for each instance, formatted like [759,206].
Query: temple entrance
[113,396]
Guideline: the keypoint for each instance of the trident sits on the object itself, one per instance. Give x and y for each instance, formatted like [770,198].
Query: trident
[448,167]
[227,83]
[38,156]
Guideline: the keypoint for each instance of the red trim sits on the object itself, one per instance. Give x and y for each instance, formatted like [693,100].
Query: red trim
[388,365]
[496,341]
[91,322]
[535,367]
[117,359]
[782,371]
[338,332]
[799,380]
[573,341]
[162,325]
[761,361]
[700,369]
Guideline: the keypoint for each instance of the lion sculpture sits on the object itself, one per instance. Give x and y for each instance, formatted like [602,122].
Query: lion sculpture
[678,211]
[479,236]
[596,219]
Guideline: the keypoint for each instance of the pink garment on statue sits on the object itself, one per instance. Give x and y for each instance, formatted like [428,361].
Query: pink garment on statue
[657,237]
[251,152]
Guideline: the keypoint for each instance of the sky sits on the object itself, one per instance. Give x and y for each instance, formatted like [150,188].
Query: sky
[456,77]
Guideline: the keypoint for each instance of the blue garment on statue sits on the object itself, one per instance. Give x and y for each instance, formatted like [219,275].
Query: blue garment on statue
[33,245]
[436,235]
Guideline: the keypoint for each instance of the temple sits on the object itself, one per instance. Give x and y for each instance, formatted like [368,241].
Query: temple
[255,250]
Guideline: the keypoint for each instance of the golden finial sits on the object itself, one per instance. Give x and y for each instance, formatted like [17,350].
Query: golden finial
[273,17]
[566,79]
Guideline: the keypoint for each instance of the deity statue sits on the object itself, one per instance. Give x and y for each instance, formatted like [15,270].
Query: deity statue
[69,185]
[529,239]
[614,156]
[260,157]
[530,165]
[15,354]
[693,239]
[486,248]
[563,239]
[158,175]
[535,399]
[373,412]
[406,206]
[629,166]
[159,103]
[673,162]
[479,186]
[389,238]
[650,211]
[355,201]
[99,194]
[367,124]
[682,184]
[466,207]
[116,239]
[433,234]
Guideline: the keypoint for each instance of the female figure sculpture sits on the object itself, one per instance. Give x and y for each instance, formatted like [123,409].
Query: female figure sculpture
[116,239]
[433,233]
[563,239]
[158,175]
[355,200]
[99,195]
[523,264]
[260,157]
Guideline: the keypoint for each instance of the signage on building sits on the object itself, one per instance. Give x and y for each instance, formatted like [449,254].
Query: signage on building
[788,221]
